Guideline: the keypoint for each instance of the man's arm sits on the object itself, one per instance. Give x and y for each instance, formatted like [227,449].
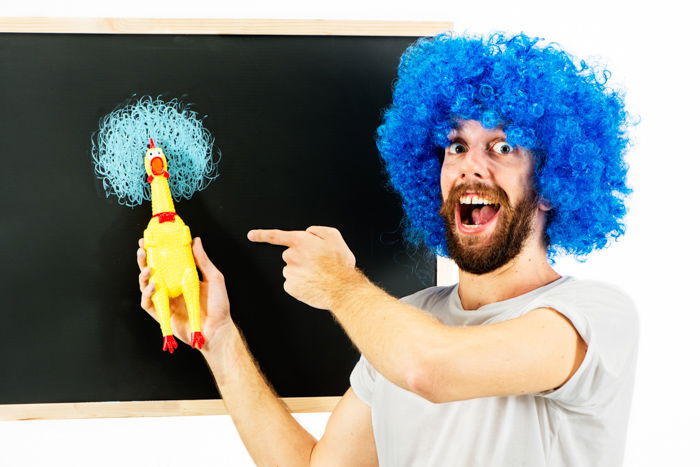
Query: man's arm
[269,432]
[536,352]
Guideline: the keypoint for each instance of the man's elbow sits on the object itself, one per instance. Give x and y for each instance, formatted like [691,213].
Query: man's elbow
[420,380]
[430,371]
[434,379]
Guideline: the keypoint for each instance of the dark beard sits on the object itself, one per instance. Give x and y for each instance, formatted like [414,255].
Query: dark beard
[515,226]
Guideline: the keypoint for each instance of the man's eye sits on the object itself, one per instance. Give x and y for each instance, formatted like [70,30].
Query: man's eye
[502,147]
[456,148]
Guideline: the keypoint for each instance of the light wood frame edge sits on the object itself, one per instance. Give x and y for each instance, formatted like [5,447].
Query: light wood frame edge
[221,26]
[147,408]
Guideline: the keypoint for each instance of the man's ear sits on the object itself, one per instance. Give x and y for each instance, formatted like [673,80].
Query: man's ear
[544,205]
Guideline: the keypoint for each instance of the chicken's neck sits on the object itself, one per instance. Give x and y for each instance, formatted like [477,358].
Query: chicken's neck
[161,199]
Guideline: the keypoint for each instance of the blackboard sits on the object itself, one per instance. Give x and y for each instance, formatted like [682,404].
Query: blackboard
[295,120]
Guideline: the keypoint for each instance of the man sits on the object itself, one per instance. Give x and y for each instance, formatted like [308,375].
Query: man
[504,153]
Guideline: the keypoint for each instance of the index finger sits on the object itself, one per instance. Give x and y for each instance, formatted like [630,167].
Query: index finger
[274,236]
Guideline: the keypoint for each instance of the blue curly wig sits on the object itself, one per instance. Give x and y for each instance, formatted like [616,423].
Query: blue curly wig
[119,146]
[561,110]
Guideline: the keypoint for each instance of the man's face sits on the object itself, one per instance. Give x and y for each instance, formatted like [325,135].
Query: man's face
[488,199]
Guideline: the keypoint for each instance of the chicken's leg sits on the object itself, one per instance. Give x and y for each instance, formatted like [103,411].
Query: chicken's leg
[190,291]
[162,306]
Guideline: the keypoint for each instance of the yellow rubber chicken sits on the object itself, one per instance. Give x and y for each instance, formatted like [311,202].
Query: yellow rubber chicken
[168,247]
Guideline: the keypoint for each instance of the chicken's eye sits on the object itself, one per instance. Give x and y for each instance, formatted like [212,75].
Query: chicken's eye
[456,148]
[502,148]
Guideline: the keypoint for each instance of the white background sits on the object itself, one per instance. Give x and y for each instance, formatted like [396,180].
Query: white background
[652,53]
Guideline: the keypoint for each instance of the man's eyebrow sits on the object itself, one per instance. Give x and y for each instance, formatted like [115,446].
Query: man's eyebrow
[458,138]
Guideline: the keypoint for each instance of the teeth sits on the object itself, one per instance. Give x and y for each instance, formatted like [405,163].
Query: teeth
[474,200]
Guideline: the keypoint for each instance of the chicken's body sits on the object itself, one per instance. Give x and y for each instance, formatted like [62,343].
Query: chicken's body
[168,247]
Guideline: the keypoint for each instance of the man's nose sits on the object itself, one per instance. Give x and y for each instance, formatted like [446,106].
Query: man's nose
[475,163]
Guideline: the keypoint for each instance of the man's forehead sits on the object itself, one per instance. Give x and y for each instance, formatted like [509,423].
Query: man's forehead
[474,129]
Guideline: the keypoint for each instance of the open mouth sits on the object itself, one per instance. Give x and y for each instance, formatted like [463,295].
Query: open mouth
[157,166]
[474,211]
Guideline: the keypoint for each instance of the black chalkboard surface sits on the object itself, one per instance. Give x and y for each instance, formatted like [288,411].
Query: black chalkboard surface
[294,118]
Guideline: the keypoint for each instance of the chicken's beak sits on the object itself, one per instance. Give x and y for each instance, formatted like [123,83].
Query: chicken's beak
[157,166]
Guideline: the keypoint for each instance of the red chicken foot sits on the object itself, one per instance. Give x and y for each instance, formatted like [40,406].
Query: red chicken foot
[169,343]
[197,340]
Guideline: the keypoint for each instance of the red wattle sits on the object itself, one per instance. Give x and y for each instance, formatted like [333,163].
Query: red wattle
[165,216]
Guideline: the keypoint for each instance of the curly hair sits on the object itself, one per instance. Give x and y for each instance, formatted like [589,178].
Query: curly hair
[560,109]
[119,146]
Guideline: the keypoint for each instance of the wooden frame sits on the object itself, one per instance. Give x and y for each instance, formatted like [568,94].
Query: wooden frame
[221,26]
[195,27]
[147,408]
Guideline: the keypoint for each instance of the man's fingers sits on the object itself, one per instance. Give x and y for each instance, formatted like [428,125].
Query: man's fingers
[143,278]
[275,237]
[141,258]
[146,295]
[288,256]
[209,271]
[324,232]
